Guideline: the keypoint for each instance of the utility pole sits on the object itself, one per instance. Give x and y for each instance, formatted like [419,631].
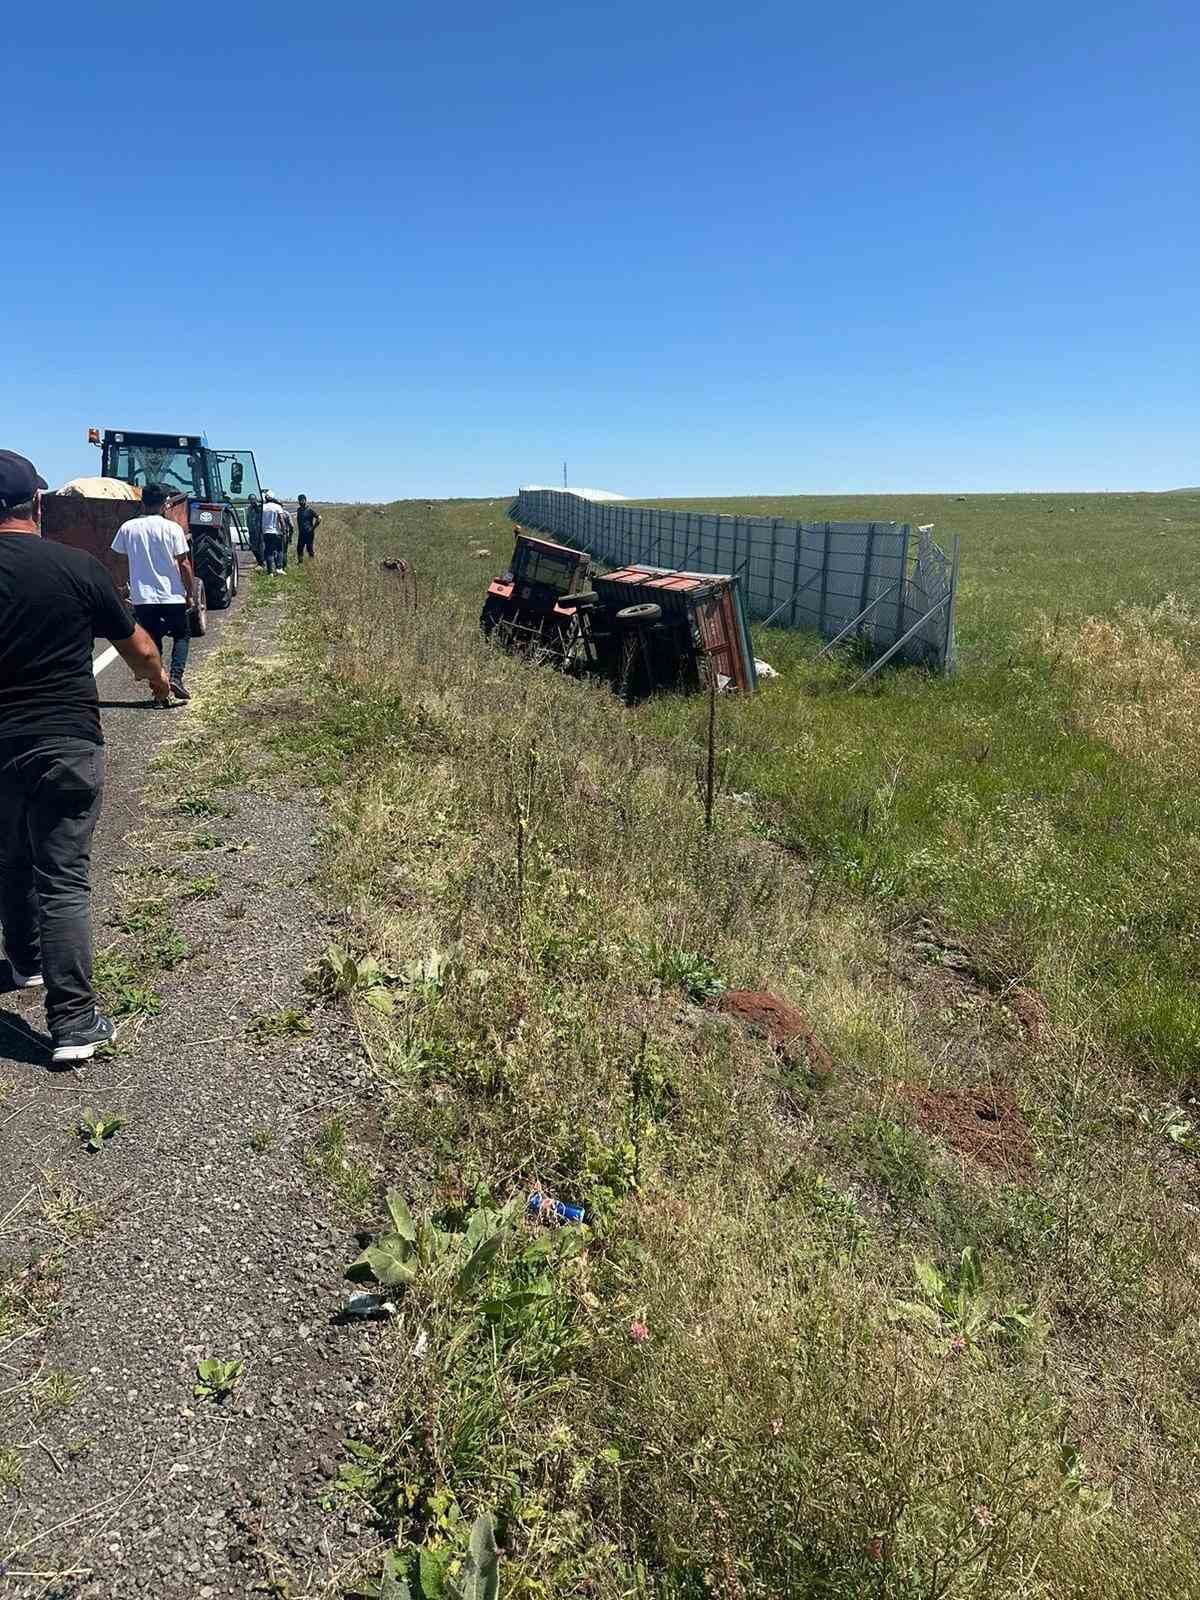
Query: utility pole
[564,474]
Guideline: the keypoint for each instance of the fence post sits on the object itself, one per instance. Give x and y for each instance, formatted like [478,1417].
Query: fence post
[864,592]
[797,540]
[902,599]
[774,553]
[948,635]
[824,582]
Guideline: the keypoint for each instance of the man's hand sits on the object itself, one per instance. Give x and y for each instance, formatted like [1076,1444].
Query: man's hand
[140,655]
[188,574]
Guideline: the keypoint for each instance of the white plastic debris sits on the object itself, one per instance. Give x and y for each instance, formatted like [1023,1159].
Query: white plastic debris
[362,1303]
[422,1345]
[924,527]
[764,669]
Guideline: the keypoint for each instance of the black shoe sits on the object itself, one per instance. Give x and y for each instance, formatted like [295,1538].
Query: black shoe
[82,1043]
[178,690]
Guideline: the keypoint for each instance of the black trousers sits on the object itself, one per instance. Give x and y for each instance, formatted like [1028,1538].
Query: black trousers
[304,541]
[168,622]
[50,793]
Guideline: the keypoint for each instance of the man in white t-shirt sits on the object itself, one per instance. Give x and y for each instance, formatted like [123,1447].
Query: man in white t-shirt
[161,580]
[274,535]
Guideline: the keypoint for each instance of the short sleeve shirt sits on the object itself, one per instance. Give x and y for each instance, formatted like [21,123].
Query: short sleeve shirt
[54,603]
[153,546]
[272,520]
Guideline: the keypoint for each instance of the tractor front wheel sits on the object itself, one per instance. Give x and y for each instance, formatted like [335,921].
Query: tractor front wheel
[494,611]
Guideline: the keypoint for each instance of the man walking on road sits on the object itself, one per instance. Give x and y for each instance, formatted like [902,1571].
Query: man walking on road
[274,530]
[307,523]
[161,581]
[54,602]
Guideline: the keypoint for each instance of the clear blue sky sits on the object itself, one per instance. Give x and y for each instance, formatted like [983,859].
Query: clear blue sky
[403,249]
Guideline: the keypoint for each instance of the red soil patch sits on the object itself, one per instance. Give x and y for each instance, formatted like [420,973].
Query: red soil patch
[1030,1011]
[782,1023]
[985,1124]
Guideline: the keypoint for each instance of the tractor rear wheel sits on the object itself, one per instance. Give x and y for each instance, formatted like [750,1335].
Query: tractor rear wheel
[210,557]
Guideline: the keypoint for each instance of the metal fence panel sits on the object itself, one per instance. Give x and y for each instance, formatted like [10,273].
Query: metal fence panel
[819,575]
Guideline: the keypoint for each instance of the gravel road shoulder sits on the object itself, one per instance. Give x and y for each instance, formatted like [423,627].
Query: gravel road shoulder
[201,1228]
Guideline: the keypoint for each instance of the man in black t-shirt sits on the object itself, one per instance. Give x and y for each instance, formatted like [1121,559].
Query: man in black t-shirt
[54,602]
[307,523]
[254,527]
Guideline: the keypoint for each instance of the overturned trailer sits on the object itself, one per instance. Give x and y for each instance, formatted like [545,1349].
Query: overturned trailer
[642,628]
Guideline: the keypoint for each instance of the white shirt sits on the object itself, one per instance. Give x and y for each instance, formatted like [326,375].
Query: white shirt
[153,546]
[272,519]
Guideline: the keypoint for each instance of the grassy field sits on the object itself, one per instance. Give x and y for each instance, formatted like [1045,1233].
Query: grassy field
[921,1327]
[1044,802]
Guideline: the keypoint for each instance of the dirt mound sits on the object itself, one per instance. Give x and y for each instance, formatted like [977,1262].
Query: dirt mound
[782,1023]
[985,1124]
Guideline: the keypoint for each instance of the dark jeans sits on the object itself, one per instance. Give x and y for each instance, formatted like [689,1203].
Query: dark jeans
[304,541]
[274,555]
[171,622]
[50,793]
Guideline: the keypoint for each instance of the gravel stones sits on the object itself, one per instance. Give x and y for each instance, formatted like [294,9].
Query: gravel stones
[201,1243]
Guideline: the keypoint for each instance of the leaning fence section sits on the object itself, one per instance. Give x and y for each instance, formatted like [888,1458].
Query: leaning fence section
[883,581]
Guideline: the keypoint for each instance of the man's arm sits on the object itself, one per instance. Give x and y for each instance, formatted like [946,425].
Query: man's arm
[140,655]
[187,573]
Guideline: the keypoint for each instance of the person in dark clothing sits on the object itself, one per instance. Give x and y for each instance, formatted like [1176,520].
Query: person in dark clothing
[54,602]
[307,523]
[254,527]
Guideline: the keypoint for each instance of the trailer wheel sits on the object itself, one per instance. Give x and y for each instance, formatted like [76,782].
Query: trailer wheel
[639,616]
[198,615]
[580,601]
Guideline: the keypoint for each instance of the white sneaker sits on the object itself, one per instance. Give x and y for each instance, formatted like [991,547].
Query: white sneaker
[33,980]
[85,1041]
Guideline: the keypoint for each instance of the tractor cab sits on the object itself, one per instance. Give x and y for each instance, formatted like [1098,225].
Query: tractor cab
[185,464]
[535,604]
[208,494]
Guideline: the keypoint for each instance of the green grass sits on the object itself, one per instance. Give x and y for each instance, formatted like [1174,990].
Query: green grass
[990,797]
[332,1155]
[996,798]
[735,1379]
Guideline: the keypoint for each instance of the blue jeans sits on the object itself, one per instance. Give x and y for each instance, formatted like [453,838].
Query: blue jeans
[50,792]
[274,554]
[168,622]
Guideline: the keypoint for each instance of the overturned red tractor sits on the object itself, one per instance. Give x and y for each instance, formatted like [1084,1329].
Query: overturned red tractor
[641,628]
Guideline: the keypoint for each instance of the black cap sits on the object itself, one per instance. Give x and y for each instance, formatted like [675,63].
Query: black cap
[19,481]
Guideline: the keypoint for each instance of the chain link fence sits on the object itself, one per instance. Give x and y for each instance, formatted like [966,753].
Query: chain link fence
[884,582]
